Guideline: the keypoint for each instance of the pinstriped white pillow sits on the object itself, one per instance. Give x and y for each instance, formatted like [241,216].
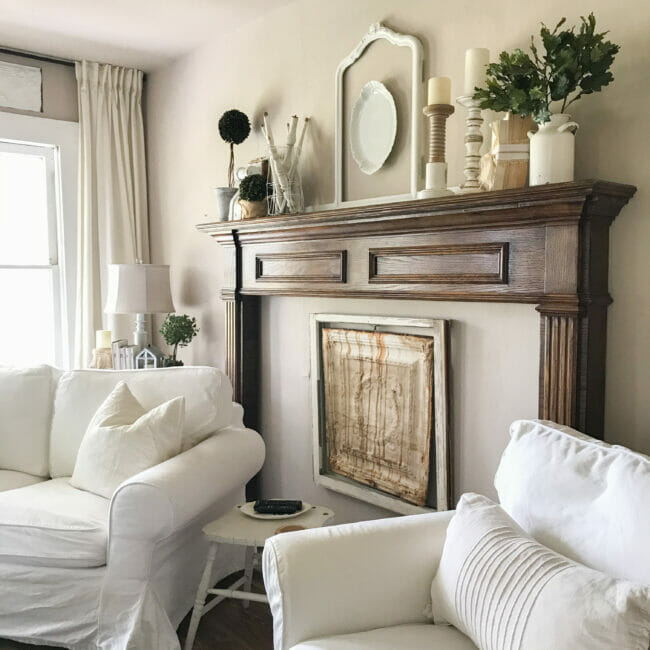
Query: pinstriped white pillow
[508,592]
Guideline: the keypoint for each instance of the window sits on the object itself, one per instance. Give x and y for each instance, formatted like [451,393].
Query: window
[38,171]
[30,278]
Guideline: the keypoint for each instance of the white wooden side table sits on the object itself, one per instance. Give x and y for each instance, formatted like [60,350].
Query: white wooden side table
[237,528]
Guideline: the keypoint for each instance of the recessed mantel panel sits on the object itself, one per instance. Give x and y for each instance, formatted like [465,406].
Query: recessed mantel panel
[483,263]
[297,265]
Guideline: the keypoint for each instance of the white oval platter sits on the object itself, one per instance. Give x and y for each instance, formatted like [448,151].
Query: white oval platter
[373,127]
[249,510]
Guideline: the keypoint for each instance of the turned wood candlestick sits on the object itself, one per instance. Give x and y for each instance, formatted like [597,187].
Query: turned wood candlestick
[473,144]
[436,176]
[437,114]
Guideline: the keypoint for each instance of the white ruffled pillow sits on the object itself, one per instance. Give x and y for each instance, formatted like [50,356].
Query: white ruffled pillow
[508,592]
[124,439]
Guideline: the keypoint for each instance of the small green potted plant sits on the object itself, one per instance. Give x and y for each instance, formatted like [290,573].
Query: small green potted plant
[234,128]
[574,62]
[252,196]
[178,330]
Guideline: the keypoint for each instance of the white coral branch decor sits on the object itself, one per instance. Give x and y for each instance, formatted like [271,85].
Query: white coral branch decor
[287,196]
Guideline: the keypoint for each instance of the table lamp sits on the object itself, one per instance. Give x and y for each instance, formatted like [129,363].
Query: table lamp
[139,289]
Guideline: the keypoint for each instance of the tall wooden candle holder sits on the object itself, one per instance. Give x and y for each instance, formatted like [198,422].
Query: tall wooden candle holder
[436,175]
[473,144]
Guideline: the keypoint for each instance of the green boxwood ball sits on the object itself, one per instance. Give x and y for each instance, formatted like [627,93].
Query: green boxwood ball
[253,188]
[234,126]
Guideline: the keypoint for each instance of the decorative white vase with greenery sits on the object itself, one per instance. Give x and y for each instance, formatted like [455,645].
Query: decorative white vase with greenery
[574,62]
[552,150]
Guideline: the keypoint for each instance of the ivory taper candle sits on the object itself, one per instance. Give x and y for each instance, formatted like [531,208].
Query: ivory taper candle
[439,90]
[103,339]
[476,60]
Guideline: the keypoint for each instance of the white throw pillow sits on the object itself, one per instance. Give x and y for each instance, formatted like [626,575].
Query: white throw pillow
[581,497]
[124,439]
[79,393]
[508,592]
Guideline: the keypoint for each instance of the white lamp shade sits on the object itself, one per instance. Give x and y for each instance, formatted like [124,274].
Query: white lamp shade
[138,289]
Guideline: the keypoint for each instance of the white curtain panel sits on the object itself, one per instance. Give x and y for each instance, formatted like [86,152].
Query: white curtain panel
[113,226]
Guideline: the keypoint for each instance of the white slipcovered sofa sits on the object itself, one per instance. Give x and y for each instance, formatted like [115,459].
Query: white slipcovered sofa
[81,571]
[367,585]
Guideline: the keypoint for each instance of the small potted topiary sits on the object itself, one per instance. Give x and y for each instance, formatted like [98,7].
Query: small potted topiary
[178,330]
[234,127]
[252,196]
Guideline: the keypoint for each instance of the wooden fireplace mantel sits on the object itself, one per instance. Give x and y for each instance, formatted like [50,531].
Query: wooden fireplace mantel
[547,245]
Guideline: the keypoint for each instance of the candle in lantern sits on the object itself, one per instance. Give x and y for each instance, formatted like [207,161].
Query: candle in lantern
[103,339]
[439,90]
[476,60]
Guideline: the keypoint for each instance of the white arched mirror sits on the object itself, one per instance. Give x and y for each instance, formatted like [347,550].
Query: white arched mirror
[376,104]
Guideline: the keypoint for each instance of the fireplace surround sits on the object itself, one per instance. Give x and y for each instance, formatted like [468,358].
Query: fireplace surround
[546,245]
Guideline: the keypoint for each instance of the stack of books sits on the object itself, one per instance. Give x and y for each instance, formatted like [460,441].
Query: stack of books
[124,355]
[506,165]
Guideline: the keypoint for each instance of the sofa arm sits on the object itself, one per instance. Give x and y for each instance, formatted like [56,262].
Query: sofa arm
[352,577]
[168,497]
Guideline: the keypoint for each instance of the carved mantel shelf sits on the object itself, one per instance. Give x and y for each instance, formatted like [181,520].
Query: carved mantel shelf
[547,245]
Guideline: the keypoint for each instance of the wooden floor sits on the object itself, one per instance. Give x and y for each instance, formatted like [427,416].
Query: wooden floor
[231,627]
[226,627]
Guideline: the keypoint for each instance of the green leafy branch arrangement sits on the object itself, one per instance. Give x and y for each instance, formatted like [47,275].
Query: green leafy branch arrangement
[574,63]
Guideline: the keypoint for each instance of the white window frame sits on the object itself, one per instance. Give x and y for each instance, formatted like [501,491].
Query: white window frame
[54,221]
[58,141]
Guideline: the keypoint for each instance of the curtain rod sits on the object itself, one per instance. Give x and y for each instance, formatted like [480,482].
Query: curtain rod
[37,57]
[48,59]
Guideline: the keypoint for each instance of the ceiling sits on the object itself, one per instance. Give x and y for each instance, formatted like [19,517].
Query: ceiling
[138,33]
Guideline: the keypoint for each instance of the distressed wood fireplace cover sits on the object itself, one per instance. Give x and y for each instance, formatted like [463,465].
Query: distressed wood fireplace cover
[381,430]
[378,389]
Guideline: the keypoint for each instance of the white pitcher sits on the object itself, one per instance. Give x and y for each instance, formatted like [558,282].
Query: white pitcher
[552,151]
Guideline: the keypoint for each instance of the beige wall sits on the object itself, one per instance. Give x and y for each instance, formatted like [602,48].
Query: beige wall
[59,89]
[285,64]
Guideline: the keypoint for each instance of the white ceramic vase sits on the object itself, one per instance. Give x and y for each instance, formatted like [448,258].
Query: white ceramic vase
[224,197]
[552,151]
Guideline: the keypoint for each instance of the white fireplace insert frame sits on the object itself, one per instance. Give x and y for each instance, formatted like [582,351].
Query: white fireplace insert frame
[437,329]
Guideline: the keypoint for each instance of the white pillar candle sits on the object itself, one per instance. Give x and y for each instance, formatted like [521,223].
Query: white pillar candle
[103,339]
[439,90]
[476,60]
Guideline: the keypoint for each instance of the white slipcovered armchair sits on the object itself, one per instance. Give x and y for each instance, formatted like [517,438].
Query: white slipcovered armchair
[84,572]
[368,584]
